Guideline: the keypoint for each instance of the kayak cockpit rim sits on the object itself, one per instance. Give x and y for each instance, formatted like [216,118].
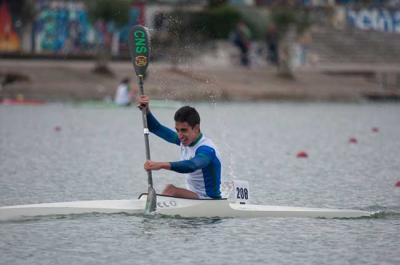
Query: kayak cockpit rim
[167,196]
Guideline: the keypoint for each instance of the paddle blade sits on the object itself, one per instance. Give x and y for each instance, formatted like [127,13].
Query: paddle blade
[151,202]
[139,47]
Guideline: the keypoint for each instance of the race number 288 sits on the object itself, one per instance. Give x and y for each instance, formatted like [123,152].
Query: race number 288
[242,193]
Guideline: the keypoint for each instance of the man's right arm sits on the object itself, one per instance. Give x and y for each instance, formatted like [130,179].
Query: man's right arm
[161,131]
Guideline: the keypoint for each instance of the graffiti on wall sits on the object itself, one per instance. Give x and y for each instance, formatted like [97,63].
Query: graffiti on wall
[374,19]
[64,27]
[9,40]
[136,16]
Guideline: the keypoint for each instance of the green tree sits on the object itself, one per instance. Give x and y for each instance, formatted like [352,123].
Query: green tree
[190,32]
[116,12]
[290,22]
[23,13]
[216,3]
[23,10]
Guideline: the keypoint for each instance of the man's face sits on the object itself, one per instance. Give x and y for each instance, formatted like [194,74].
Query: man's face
[186,133]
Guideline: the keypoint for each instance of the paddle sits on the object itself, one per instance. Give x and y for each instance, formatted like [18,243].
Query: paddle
[139,46]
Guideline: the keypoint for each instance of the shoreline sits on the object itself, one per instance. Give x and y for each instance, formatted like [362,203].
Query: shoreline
[51,80]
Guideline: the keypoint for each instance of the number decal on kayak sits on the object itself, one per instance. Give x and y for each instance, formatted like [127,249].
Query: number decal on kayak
[242,193]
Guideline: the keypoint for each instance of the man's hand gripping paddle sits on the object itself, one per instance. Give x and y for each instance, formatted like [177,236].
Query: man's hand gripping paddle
[139,46]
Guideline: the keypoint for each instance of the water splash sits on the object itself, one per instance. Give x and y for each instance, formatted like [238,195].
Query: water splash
[382,212]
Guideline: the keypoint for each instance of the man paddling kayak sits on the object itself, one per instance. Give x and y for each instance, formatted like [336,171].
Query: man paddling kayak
[200,157]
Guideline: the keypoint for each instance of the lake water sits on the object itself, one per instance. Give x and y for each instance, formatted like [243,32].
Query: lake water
[65,152]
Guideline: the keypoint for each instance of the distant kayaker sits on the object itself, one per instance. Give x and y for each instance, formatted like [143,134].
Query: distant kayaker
[199,156]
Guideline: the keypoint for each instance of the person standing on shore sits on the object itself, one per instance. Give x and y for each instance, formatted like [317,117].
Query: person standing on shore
[272,41]
[241,39]
[199,156]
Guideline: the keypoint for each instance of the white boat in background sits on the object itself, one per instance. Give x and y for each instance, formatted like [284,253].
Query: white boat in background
[172,206]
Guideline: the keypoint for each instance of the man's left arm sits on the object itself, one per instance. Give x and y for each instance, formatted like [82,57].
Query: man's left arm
[202,158]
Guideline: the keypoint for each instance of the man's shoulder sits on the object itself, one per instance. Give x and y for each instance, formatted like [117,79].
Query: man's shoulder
[205,141]
[206,145]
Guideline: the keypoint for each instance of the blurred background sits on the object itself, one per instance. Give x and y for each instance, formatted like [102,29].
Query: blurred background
[262,73]
[342,50]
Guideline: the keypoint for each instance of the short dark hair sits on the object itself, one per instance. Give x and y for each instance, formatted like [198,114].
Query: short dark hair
[187,114]
[126,80]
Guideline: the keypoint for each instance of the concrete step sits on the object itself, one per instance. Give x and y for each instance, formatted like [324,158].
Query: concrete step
[355,46]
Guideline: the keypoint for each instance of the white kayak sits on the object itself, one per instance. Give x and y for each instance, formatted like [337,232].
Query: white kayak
[172,206]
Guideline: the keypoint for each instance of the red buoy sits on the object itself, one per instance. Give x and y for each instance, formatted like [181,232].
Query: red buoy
[353,140]
[302,154]
[375,129]
[397,184]
[57,128]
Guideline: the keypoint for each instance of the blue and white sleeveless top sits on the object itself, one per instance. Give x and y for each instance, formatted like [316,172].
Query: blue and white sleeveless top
[200,160]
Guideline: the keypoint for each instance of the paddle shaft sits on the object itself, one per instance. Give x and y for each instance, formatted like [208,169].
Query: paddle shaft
[145,132]
[139,46]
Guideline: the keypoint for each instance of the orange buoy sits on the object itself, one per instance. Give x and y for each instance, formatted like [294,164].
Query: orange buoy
[302,154]
[353,140]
